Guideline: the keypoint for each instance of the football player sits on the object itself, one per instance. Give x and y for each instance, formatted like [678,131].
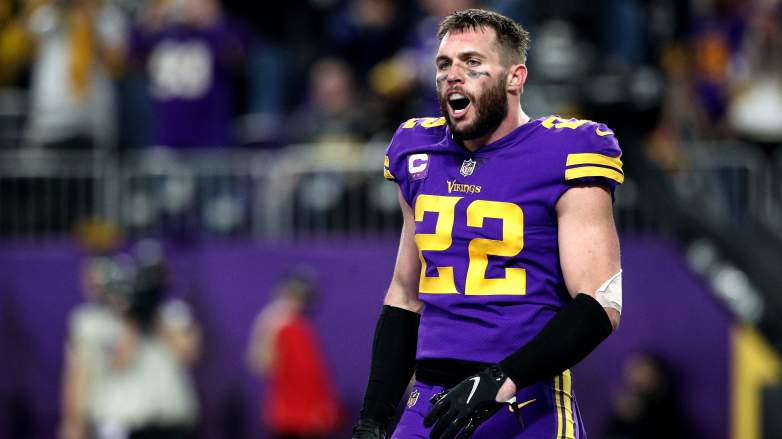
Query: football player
[508,270]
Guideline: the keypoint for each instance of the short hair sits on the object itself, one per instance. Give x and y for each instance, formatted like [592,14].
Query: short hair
[511,37]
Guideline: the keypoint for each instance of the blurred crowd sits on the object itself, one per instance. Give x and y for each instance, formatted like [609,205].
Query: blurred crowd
[210,73]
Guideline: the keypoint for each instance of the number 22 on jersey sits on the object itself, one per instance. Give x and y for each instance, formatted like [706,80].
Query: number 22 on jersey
[479,249]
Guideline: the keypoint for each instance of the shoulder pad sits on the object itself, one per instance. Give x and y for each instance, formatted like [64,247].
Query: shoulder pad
[410,135]
[591,149]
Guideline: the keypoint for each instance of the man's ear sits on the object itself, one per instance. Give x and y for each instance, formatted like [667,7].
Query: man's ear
[517,76]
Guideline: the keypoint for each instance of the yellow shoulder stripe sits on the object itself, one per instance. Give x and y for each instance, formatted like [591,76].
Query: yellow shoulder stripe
[386,172]
[431,122]
[426,122]
[594,171]
[410,123]
[591,158]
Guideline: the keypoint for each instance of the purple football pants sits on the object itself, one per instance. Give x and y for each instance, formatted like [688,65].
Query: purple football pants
[548,410]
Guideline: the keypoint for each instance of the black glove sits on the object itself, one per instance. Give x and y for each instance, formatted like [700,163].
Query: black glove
[465,406]
[368,429]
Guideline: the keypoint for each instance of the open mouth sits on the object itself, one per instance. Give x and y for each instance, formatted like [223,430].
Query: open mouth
[458,103]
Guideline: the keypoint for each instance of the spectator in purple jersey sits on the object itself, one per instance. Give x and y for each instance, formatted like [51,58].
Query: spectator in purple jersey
[716,35]
[508,271]
[189,52]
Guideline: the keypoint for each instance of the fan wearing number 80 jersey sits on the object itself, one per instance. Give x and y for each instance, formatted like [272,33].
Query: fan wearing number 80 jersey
[486,227]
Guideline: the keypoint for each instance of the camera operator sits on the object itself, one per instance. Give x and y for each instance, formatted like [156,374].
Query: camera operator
[128,353]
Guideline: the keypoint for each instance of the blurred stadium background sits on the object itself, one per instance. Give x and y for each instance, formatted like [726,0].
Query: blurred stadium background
[248,138]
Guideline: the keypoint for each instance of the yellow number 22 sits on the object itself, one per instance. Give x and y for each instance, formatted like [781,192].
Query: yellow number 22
[479,249]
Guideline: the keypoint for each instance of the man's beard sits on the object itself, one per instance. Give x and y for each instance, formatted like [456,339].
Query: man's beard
[490,111]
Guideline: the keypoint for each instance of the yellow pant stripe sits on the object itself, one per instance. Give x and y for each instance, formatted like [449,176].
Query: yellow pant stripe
[558,403]
[567,400]
[566,425]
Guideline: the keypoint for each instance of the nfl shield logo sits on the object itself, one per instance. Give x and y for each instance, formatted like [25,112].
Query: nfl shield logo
[413,398]
[467,167]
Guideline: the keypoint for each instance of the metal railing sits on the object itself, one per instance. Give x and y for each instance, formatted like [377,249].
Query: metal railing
[775,208]
[307,190]
[45,193]
[301,191]
[13,113]
[729,185]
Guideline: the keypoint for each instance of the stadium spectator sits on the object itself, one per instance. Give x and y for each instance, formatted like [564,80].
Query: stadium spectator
[366,32]
[191,53]
[715,35]
[336,111]
[127,355]
[682,118]
[15,42]
[280,55]
[92,326]
[78,43]
[337,120]
[15,54]
[646,407]
[407,75]
[755,107]
[622,30]
[300,400]
[282,51]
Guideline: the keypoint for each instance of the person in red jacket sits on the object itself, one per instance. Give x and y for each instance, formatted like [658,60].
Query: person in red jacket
[299,399]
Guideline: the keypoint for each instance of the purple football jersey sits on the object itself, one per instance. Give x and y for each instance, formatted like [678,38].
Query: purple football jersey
[486,227]
[189,76]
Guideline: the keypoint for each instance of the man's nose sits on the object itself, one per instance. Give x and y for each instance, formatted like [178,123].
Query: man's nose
[455,74]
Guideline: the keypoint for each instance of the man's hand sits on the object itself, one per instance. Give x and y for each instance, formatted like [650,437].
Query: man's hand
[368,429]
[467,405]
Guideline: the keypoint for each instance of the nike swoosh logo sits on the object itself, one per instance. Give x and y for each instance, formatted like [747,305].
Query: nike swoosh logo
[522,404]
[602,133]
[476,381]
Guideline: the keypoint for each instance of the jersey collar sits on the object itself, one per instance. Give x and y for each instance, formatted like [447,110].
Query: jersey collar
[511,138]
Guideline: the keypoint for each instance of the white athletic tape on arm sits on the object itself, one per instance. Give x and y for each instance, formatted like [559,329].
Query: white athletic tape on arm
[609,295]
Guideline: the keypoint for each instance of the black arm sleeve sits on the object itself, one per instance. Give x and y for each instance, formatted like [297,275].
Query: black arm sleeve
[393,362]
[566,339]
